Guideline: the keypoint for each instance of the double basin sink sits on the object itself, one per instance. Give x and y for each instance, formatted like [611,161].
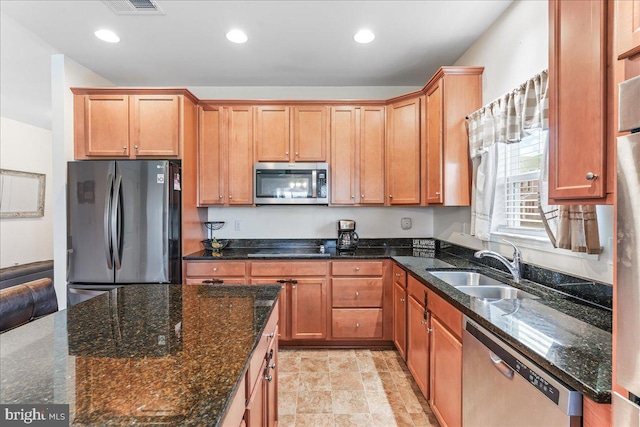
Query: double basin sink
[480,286]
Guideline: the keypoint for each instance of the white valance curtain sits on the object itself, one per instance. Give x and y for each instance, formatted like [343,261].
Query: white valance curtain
[508,120]
[505,120]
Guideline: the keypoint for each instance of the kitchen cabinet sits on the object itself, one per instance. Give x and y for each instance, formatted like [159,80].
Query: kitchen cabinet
[357,155]
[357,290]
[306,293]
[403,151]
[120,123]
[400,310]
[215,272]
[418,340]
[445,395]
[291,133]
[628,29]
[578,59]
[451,94]
[225,156]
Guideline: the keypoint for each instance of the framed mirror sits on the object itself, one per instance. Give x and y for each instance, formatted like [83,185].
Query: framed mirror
[21,194]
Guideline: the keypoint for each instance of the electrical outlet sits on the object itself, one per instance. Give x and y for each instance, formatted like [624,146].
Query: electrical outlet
[238,225]
[405,223]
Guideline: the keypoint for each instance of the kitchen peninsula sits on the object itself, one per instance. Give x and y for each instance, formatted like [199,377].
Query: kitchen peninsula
[159,354]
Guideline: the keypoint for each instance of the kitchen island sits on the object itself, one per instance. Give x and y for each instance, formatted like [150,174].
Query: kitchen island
[141,354]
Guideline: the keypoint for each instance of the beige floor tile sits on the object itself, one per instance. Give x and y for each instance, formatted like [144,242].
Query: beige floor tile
[387,382]
[314,364]
[289,364]
[390,353]
[288,381]
[378,402]
[314,420]
[380,364]
[411,400]
[396,364]
[349,402]
[287,401]
[343,364]
[362,352]
[365,364]
[341,352]
[392,420]
[424,419]
[314,381]
[286,420]
[346,381]
[371,381]
[288,354]
[352,420]
[314,353]
[314,402]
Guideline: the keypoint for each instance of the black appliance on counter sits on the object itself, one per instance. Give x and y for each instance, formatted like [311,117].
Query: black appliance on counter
[347,236]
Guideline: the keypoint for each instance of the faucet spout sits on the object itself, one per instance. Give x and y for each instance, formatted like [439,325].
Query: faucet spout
[512,266]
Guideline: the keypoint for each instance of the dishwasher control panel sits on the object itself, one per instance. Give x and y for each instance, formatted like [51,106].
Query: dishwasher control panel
[536,380]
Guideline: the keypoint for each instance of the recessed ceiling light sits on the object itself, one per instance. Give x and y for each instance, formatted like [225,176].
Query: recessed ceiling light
[107,36]
[236,36]
[364,36]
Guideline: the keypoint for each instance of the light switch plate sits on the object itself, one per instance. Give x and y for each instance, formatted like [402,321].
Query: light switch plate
[405,223]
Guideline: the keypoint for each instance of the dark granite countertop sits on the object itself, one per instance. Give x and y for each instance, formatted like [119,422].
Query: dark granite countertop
[567,330]
[141,354]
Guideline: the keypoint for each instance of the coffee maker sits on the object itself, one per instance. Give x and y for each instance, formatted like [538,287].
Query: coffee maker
[347,236]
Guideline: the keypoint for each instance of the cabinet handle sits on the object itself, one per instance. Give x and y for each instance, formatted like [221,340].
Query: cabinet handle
[357,294]
[268,378]
[286,153]
[271,335]
[220,196]
[272,366]
[429,330]
[215,268]
[591,176]
[124,147]
[357,325]
[357,268]
[293,287]
[424,322]
[353,197]
[297,154]
[437,193]
[362,196]
[397,274]
[390,196]
[401,299]
[135,147]
[230,197]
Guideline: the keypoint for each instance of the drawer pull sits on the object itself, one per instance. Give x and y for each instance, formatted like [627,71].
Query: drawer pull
[357,294]
[424,322]
[357,268]
[401,299]
[214,281]
[397,274]
[591,176]
[272,366]
[357,325]
[268,378]
[271,335]
[215,268]
[429,330]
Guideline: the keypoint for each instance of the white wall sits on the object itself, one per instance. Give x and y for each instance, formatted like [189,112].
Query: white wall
[26,148]
[291,222]
[65,73]
[512,50]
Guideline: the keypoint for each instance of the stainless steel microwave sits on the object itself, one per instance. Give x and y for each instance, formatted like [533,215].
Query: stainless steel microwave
[291,183]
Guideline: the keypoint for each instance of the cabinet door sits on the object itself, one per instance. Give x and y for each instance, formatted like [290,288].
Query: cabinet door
[256,414]
[446,375]
[400,319]
[577,100]
[211,165]
[240,156]
[372,155]
[309,309]
[434,143]
[271,393]
[272,134]
[155,129]
[418,345]
[284,306]
[310,134]
[106,125]
[343,155]
[403,153]
[627,28]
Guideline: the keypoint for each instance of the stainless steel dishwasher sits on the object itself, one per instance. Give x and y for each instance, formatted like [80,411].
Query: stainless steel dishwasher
[501,387]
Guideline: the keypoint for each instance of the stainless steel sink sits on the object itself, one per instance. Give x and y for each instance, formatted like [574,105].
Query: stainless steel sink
[465,278]
[494,293]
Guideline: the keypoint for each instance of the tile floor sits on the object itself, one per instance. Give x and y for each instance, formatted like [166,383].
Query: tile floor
[325,388]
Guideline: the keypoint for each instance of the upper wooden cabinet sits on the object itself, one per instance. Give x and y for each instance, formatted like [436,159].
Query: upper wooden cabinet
[628,29]
[578,141]
[357,155]
[291,134]
[403,151]
[451,94]
[225,156]
[121,123]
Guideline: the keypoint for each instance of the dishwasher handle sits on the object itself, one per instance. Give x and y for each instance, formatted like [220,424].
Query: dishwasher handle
[502,367]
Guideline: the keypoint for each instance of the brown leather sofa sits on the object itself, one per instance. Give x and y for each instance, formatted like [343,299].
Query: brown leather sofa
[23,303]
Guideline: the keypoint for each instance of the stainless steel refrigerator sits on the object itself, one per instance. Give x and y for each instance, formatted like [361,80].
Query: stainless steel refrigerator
[123,225]
[626,407]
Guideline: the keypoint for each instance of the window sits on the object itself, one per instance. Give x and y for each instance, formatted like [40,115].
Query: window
[517,203]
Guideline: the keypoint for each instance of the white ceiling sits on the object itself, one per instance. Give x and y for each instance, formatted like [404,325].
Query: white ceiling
[291,43]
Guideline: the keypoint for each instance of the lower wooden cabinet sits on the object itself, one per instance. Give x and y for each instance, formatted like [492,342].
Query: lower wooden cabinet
[418,344]
[363,323]
[400,310]
[446,375]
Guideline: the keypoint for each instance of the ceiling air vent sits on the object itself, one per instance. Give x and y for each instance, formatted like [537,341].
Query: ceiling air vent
[134,7]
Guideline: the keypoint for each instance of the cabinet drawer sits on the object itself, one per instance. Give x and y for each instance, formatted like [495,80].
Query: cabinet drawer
[417,290]
[357,292]
[356,268]
[260,353]
[217,281]
[215,269]
[399,276]
[288,269]
[449,316]
[357,323]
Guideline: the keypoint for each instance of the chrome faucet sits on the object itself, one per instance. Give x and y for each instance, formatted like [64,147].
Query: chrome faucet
[513,266]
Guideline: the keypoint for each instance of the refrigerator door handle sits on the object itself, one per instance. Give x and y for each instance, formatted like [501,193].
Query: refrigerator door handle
[107,222]
[115,223]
